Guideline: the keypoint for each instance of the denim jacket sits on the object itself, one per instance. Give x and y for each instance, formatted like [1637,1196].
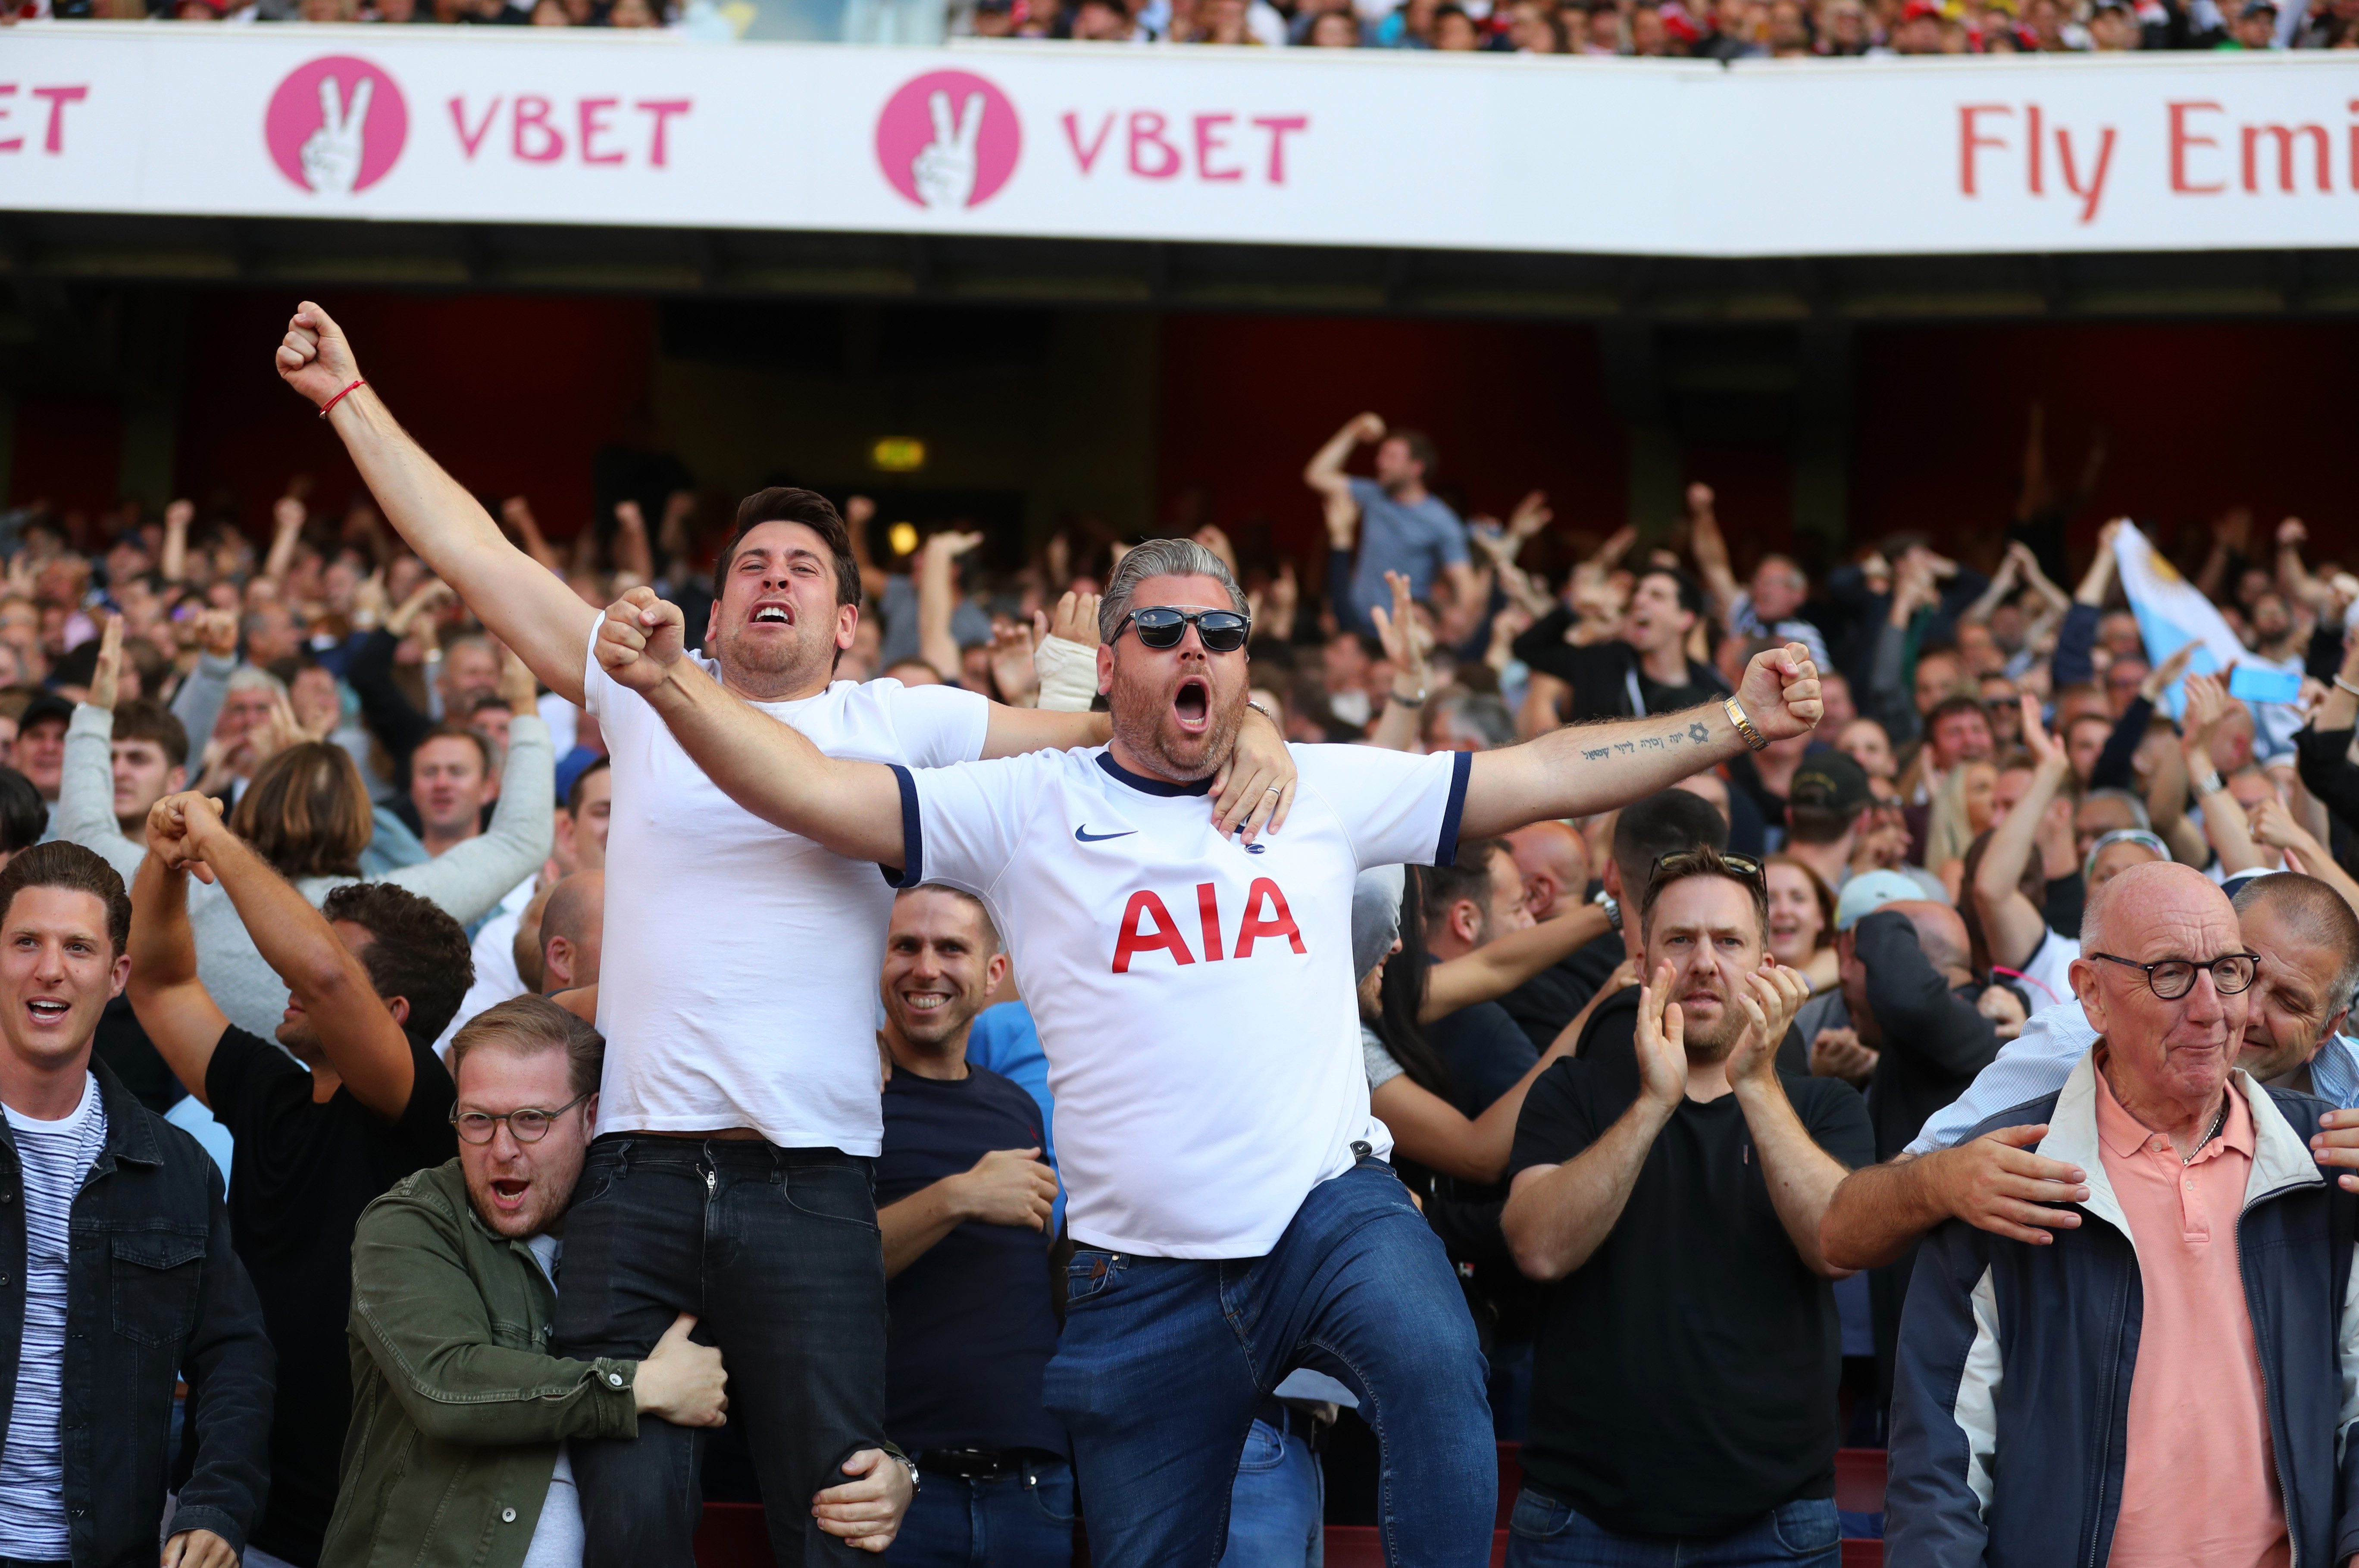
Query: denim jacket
[153,1292]
[458,1406]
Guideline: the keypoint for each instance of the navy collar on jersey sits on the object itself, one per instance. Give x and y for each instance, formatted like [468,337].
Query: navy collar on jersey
[1146,785]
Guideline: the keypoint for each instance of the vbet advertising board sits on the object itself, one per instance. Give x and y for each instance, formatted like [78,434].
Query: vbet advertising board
[2170,152]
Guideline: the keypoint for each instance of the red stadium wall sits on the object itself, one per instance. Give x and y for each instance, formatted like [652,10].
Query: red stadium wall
[1247,399]
[2202,417]
[511,394]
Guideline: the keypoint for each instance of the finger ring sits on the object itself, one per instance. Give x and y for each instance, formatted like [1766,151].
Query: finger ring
[1273,790]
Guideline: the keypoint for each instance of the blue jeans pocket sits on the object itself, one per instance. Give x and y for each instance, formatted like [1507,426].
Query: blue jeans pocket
[1265,1448]
[1088,1274]
[1539,1517]
[1808,1526]
[1051,1491]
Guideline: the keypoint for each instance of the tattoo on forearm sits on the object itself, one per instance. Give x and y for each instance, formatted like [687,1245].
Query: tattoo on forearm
[1697,732]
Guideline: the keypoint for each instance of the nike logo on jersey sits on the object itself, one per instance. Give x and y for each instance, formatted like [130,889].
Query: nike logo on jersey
[1084,835]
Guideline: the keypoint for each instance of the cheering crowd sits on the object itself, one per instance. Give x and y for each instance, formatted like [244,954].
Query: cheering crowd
[1702,30]
[473,1095]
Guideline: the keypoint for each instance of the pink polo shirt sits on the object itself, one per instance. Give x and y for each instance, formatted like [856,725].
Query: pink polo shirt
[2200,1483]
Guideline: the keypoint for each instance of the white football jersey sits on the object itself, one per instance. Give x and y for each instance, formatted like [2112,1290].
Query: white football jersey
[1194,995]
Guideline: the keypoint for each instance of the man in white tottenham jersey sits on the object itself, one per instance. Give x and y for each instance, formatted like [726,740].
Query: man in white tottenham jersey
[1195,998]
[740,1105]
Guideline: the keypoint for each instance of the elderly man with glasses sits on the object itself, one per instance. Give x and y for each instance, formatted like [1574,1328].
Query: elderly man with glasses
[2162,1382]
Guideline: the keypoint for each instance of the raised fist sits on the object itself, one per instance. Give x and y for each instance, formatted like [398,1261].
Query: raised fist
[1780,692]
[641,639]
[313,357]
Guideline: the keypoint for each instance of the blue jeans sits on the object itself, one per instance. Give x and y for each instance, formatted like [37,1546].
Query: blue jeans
[778,1253]
[1277,1505]
[1164,1361]
[1006,1521]
[1546,1532]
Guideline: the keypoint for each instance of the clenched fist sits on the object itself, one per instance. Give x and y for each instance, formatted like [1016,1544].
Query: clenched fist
[1780,692]
[641,639]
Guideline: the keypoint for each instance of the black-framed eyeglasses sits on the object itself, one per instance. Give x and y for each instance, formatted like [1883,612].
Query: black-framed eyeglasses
[529,1125]
[1224,631]
[1692,862]
[2172,978]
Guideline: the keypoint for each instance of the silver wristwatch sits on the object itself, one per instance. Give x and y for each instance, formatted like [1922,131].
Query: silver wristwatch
[1611,905]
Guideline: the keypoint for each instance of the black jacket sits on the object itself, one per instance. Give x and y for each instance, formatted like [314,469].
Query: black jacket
[153,1292]
[1934,1041]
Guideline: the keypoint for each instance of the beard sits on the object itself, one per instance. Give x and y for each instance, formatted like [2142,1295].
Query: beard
[776,664]
[1708,1044]
[1145,724]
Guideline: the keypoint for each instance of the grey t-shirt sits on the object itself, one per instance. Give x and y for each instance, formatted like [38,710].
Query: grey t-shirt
[1417,541]
[1382,1068]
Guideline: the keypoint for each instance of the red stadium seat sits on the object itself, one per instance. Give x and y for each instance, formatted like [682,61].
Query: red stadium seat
[1859,1480]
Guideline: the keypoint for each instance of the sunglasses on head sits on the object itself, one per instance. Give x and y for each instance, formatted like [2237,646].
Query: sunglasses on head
[1222,631]
[1684,862]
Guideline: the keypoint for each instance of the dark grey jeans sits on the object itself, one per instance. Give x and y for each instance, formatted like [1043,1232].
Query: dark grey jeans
[778,1253]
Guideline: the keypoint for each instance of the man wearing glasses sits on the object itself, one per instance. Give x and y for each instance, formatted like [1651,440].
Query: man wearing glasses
[356,1101]
[1195,997]
[2160,1382]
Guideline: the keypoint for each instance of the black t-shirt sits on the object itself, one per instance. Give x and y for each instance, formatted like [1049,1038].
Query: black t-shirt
[971,1326]
[301,1175]
[1601,672]
[1486,1051]
[1684,1378]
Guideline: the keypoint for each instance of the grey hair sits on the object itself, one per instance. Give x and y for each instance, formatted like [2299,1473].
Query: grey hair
[1159,558]
[2138,807]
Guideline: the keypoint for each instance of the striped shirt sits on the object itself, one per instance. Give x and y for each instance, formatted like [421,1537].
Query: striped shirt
[2037,1060]
[57,1157]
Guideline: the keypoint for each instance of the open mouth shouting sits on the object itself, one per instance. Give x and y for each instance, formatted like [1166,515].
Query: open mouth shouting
[510,1192]
[1191,705]
[773,613]
[47,1012]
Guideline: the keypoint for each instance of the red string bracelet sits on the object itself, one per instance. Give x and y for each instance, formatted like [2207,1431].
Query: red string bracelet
[340,397]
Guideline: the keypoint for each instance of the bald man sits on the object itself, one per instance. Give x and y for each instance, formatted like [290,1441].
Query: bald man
[571,927]
[2125,1389]
[1553,860]
[2308,938]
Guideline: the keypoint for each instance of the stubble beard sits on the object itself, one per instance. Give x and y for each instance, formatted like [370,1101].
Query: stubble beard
[1143,722]
[775,671]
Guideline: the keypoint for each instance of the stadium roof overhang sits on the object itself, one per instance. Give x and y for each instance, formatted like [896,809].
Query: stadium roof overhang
[117,250]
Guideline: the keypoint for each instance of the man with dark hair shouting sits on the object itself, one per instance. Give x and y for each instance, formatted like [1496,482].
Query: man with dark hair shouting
[739,1111]
[1195,998]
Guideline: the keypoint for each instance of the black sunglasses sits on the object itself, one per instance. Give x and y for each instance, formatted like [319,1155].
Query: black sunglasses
[1224,631]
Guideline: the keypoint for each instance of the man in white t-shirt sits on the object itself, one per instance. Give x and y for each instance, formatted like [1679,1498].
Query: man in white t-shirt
[1195,998]
[739,1109]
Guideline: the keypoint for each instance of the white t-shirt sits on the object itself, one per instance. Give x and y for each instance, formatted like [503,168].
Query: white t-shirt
[2048,973]
[1194,996]
[494,952]
[737,983]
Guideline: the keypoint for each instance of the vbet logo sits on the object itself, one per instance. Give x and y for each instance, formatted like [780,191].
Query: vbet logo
[336,125]
[948,140]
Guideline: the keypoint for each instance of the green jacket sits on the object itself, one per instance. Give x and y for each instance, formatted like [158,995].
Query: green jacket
[458,1407]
